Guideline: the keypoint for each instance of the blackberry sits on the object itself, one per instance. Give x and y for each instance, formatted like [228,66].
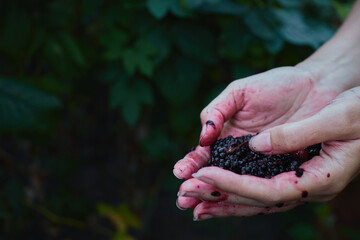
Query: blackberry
[235,155]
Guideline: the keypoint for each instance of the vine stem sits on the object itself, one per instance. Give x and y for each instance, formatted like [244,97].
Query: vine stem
[230,150]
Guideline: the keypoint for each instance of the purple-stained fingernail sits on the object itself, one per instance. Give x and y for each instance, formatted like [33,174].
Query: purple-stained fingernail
[209,122]
[261,143]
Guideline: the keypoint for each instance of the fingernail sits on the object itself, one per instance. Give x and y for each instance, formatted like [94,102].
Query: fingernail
[261,143]
[178,173]
[209,122]
[177,205]
[203,178]
[205,216]
[181,194]
[189,194]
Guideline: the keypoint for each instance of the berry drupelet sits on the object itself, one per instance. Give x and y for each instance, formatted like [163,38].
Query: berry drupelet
[235,155]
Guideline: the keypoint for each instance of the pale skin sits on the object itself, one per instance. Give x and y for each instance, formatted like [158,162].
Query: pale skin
[316,101]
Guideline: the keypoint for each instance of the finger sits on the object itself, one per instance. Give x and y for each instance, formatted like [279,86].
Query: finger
[285,187]
[192,162]
[207,210]
[337,121]
[198,189]
[184,203]
[220,110]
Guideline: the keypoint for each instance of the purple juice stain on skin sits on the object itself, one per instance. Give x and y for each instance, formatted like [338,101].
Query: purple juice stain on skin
[304,194]
[216,194]
[328,175]
[209,122]
[299,172]
[279,205]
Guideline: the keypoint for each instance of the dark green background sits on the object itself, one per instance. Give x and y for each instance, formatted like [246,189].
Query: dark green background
[99,99]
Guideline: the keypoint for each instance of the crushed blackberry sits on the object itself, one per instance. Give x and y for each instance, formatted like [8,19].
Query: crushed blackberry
[235,155]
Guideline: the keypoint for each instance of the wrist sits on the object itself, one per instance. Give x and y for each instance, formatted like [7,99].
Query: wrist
[337,62]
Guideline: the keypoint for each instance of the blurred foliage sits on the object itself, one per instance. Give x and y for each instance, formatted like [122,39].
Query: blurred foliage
[97,96]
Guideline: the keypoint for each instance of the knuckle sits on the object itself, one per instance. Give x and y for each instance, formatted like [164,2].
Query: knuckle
[277,139]
[204,113]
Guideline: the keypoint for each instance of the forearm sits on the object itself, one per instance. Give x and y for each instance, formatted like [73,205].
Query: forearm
[337,62]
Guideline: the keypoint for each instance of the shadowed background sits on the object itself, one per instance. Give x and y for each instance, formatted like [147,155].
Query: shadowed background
[99,99]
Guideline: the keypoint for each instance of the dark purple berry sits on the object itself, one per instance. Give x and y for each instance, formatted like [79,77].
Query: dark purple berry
[235,155]
[299,172]
[216,194]
[279,205]
[304,194]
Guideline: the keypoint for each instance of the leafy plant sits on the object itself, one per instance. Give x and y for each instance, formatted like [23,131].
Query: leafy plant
[97,96]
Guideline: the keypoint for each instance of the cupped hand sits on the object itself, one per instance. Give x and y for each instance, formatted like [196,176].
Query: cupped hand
[291,110]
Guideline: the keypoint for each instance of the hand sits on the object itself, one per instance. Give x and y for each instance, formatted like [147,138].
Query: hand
[254,104]
[228,194]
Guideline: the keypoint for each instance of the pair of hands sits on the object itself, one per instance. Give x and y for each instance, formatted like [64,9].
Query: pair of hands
[291,109]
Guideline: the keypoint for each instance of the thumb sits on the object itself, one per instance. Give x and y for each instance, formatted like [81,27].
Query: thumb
[340,120]
[220,110]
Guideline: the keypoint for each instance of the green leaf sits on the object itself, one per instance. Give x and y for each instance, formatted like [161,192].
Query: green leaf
[129,217]
[342,9]
[303,231]
[159,38]
[193,3]
[325,215]
[195,41]
[275,45]
[130,96]
[114,73]
[131,112]
[290,3]
[158,8]
[157,145]
[21,105]
[234,41]
[258,26]
[130,60]
[297,31]
[143,92]
[139,57]
[120,235]
[118,94]
[179,80]
[104,209]
[145,47]
[114,43]
[72,48]
[223,7]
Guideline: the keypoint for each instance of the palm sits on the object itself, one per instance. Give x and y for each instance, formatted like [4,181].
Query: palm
[251,105]
[272,98]
[254,104]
